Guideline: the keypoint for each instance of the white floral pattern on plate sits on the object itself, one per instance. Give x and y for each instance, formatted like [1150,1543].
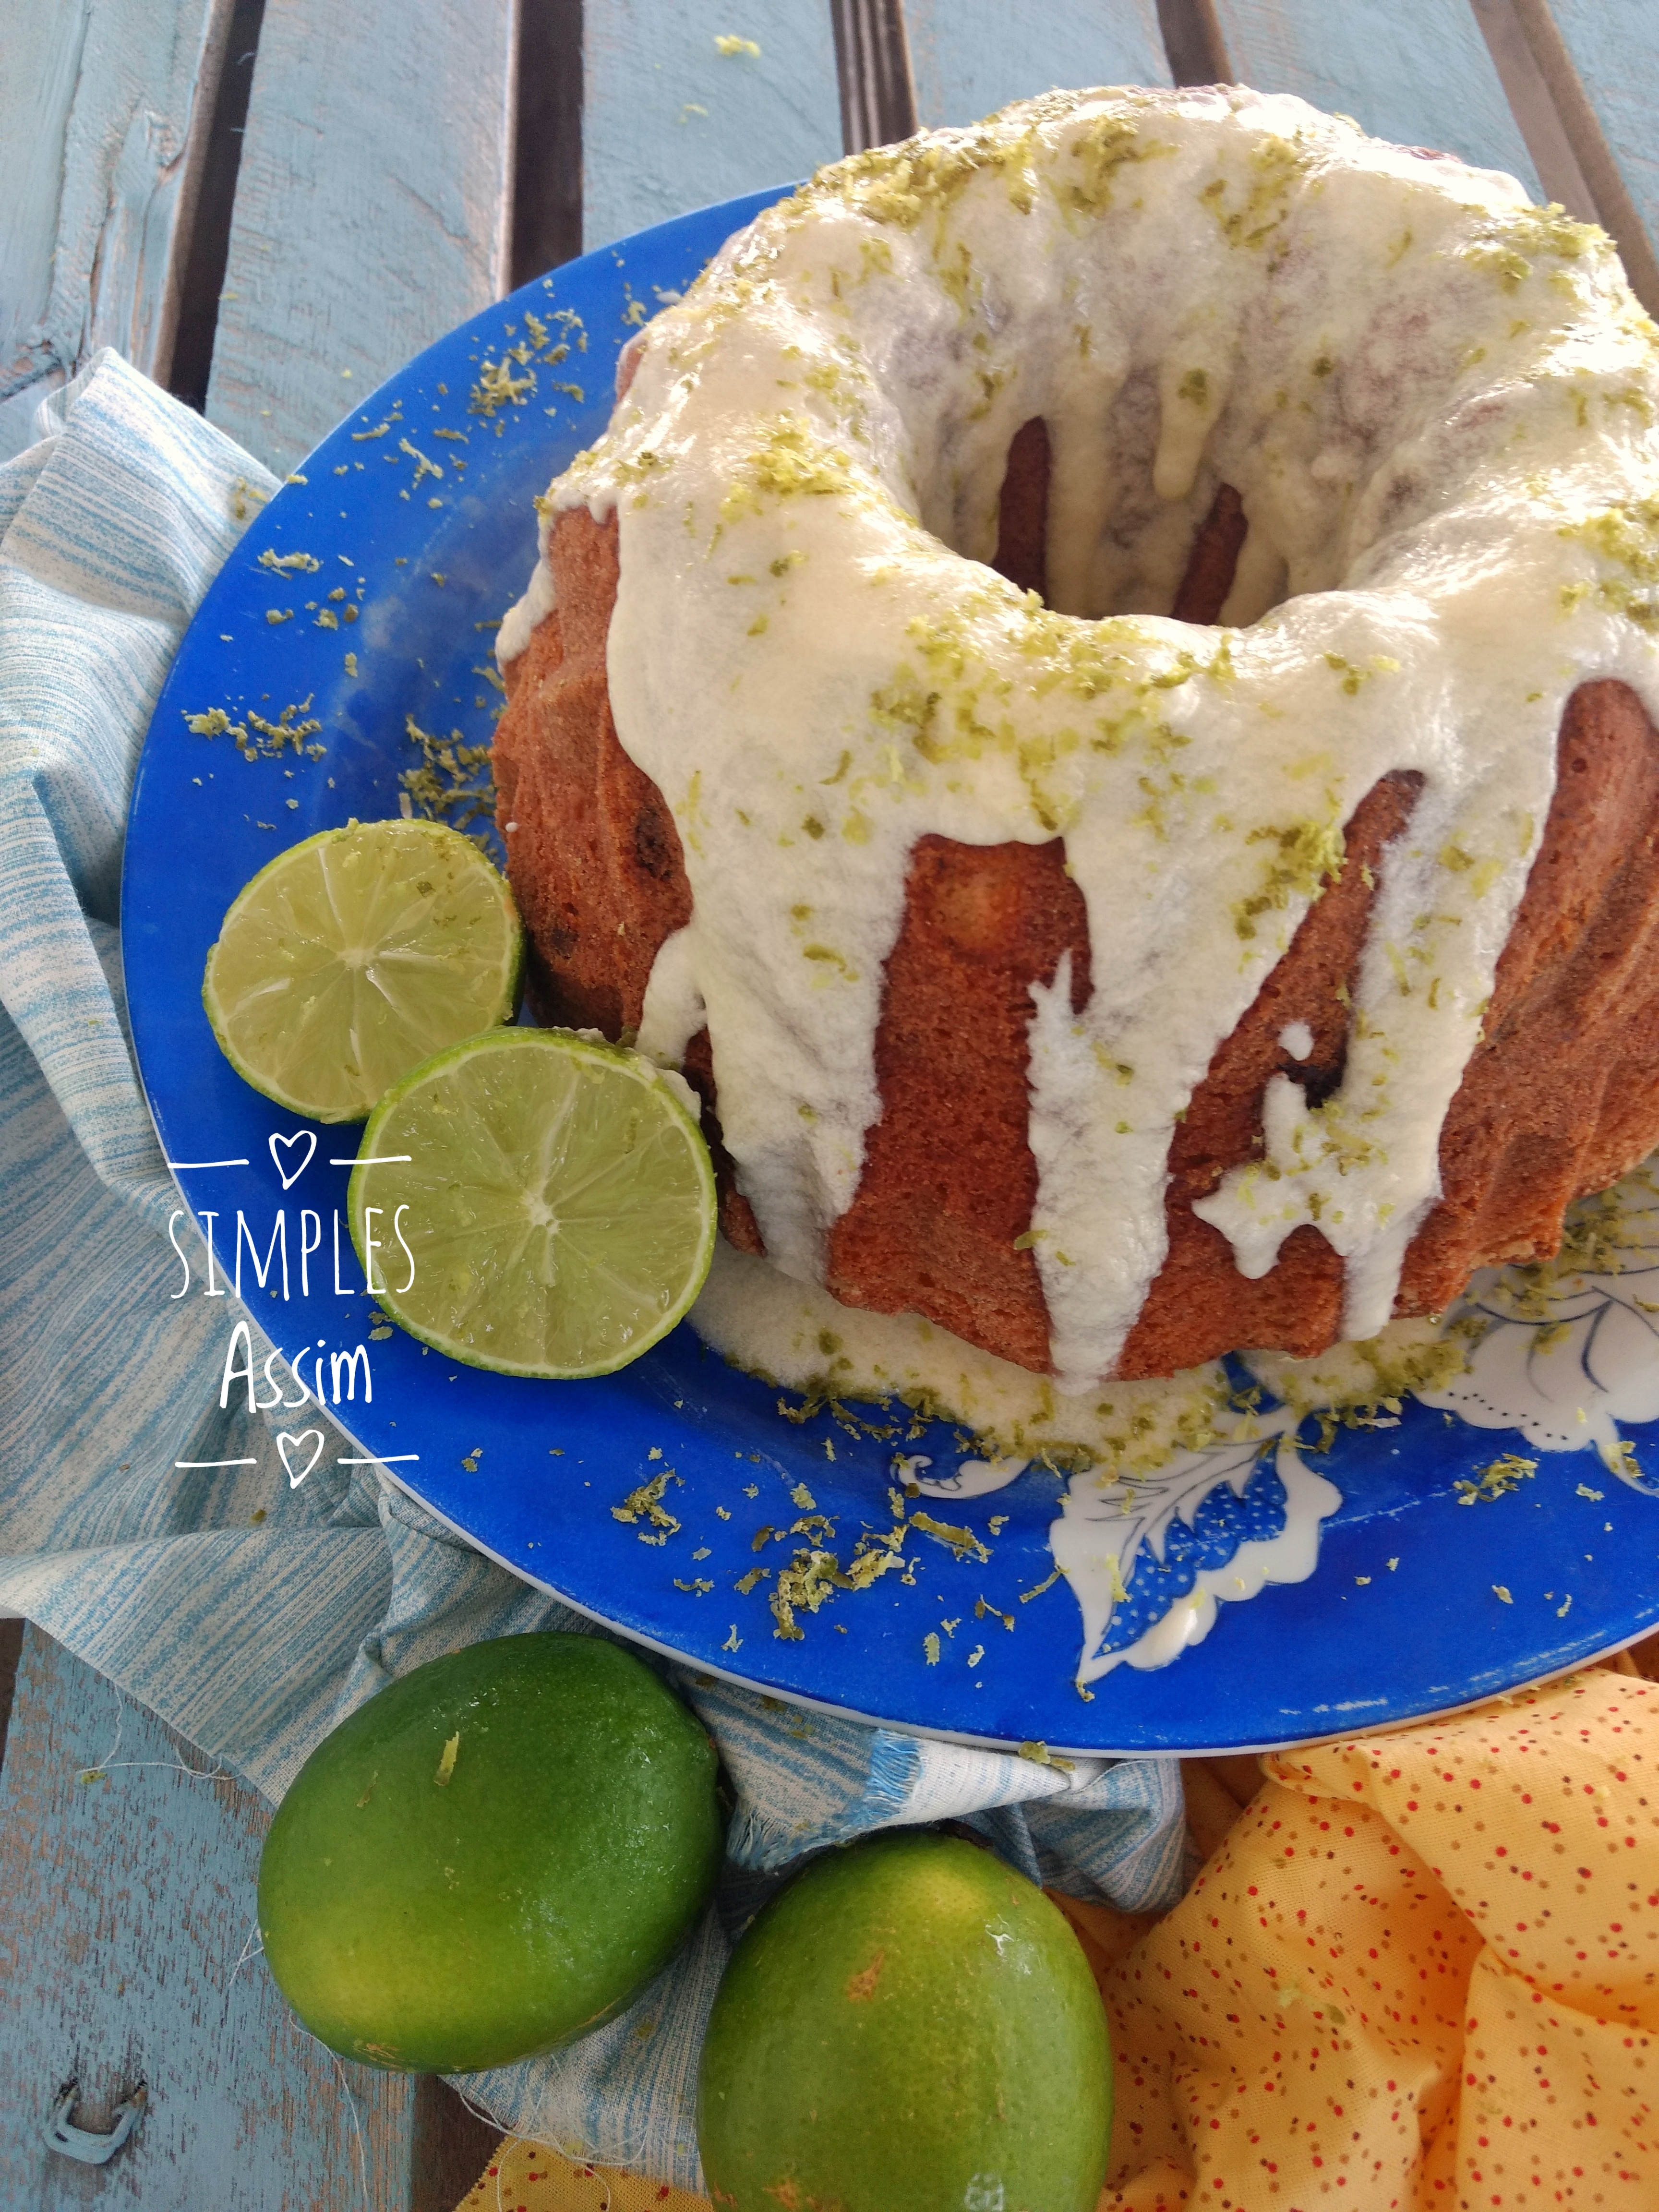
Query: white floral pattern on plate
[1149,1560]
[1569,1348]
[971,1478]
[1565,1351]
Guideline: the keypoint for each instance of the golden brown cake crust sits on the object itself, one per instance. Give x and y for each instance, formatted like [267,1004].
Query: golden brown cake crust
[1561,1097]
[593,853]
[949,1181]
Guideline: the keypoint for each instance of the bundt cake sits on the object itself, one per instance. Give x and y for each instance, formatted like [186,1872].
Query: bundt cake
[1096,695]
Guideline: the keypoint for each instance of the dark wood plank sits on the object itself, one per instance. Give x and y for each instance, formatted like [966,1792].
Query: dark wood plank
[1193,41]
[208,242]
[11,1647]
[547,150]
[872,73]
[452,2146]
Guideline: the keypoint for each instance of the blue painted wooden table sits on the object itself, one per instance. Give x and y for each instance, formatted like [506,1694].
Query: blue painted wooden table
[269,205]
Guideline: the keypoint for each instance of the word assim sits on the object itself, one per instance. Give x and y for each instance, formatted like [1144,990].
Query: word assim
[342,1366]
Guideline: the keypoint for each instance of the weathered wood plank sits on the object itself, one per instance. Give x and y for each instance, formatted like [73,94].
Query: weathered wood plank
[1600,61]
[106,109]
[125,1906]
[372,208]
[971,57]
[677,114]
[1419,72]
[1533,108]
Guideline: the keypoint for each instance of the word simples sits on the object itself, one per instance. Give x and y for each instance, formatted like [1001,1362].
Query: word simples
[271,1270]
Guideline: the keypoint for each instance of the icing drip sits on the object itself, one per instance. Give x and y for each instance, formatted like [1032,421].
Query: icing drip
[673,1012]
[521,617]
[1437,405]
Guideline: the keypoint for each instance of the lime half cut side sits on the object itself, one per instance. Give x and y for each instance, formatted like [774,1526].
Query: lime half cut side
[354,957]
[536,1203]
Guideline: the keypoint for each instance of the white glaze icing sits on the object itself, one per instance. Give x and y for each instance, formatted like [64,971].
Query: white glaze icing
[1437,407]
[796,1335]
[538,602]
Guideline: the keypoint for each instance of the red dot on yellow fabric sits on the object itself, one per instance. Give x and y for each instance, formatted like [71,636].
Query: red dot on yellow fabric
[1349,2007]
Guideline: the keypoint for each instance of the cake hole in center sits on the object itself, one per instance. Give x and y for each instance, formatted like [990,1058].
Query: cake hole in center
[1210,578]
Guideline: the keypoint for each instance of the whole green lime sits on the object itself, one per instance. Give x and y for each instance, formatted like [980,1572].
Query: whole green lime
[491,1857]
[909,2027]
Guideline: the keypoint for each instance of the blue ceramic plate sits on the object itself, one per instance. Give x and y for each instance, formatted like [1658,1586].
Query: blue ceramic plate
[359,606]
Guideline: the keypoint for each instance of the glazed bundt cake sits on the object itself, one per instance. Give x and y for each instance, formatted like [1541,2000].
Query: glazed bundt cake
[1095,697]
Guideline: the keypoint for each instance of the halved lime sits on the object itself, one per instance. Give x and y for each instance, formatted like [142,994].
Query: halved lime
[535,1202]
[352,957]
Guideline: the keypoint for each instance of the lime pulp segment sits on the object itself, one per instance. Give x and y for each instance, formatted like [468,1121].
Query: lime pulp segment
[546,1205]
[354,956]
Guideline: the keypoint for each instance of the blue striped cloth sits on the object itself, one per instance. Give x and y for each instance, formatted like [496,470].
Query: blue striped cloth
[253,1637]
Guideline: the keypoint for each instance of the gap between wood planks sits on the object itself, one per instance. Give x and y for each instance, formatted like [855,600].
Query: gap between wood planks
[1555,119]
[872,68]
[11,1650]
[208,242]
[547,170]
[1532,107]
[547,154]
[1193,42]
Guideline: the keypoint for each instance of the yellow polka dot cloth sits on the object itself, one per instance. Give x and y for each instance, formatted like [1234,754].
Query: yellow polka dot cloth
[529,2178]
[1419,1972]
